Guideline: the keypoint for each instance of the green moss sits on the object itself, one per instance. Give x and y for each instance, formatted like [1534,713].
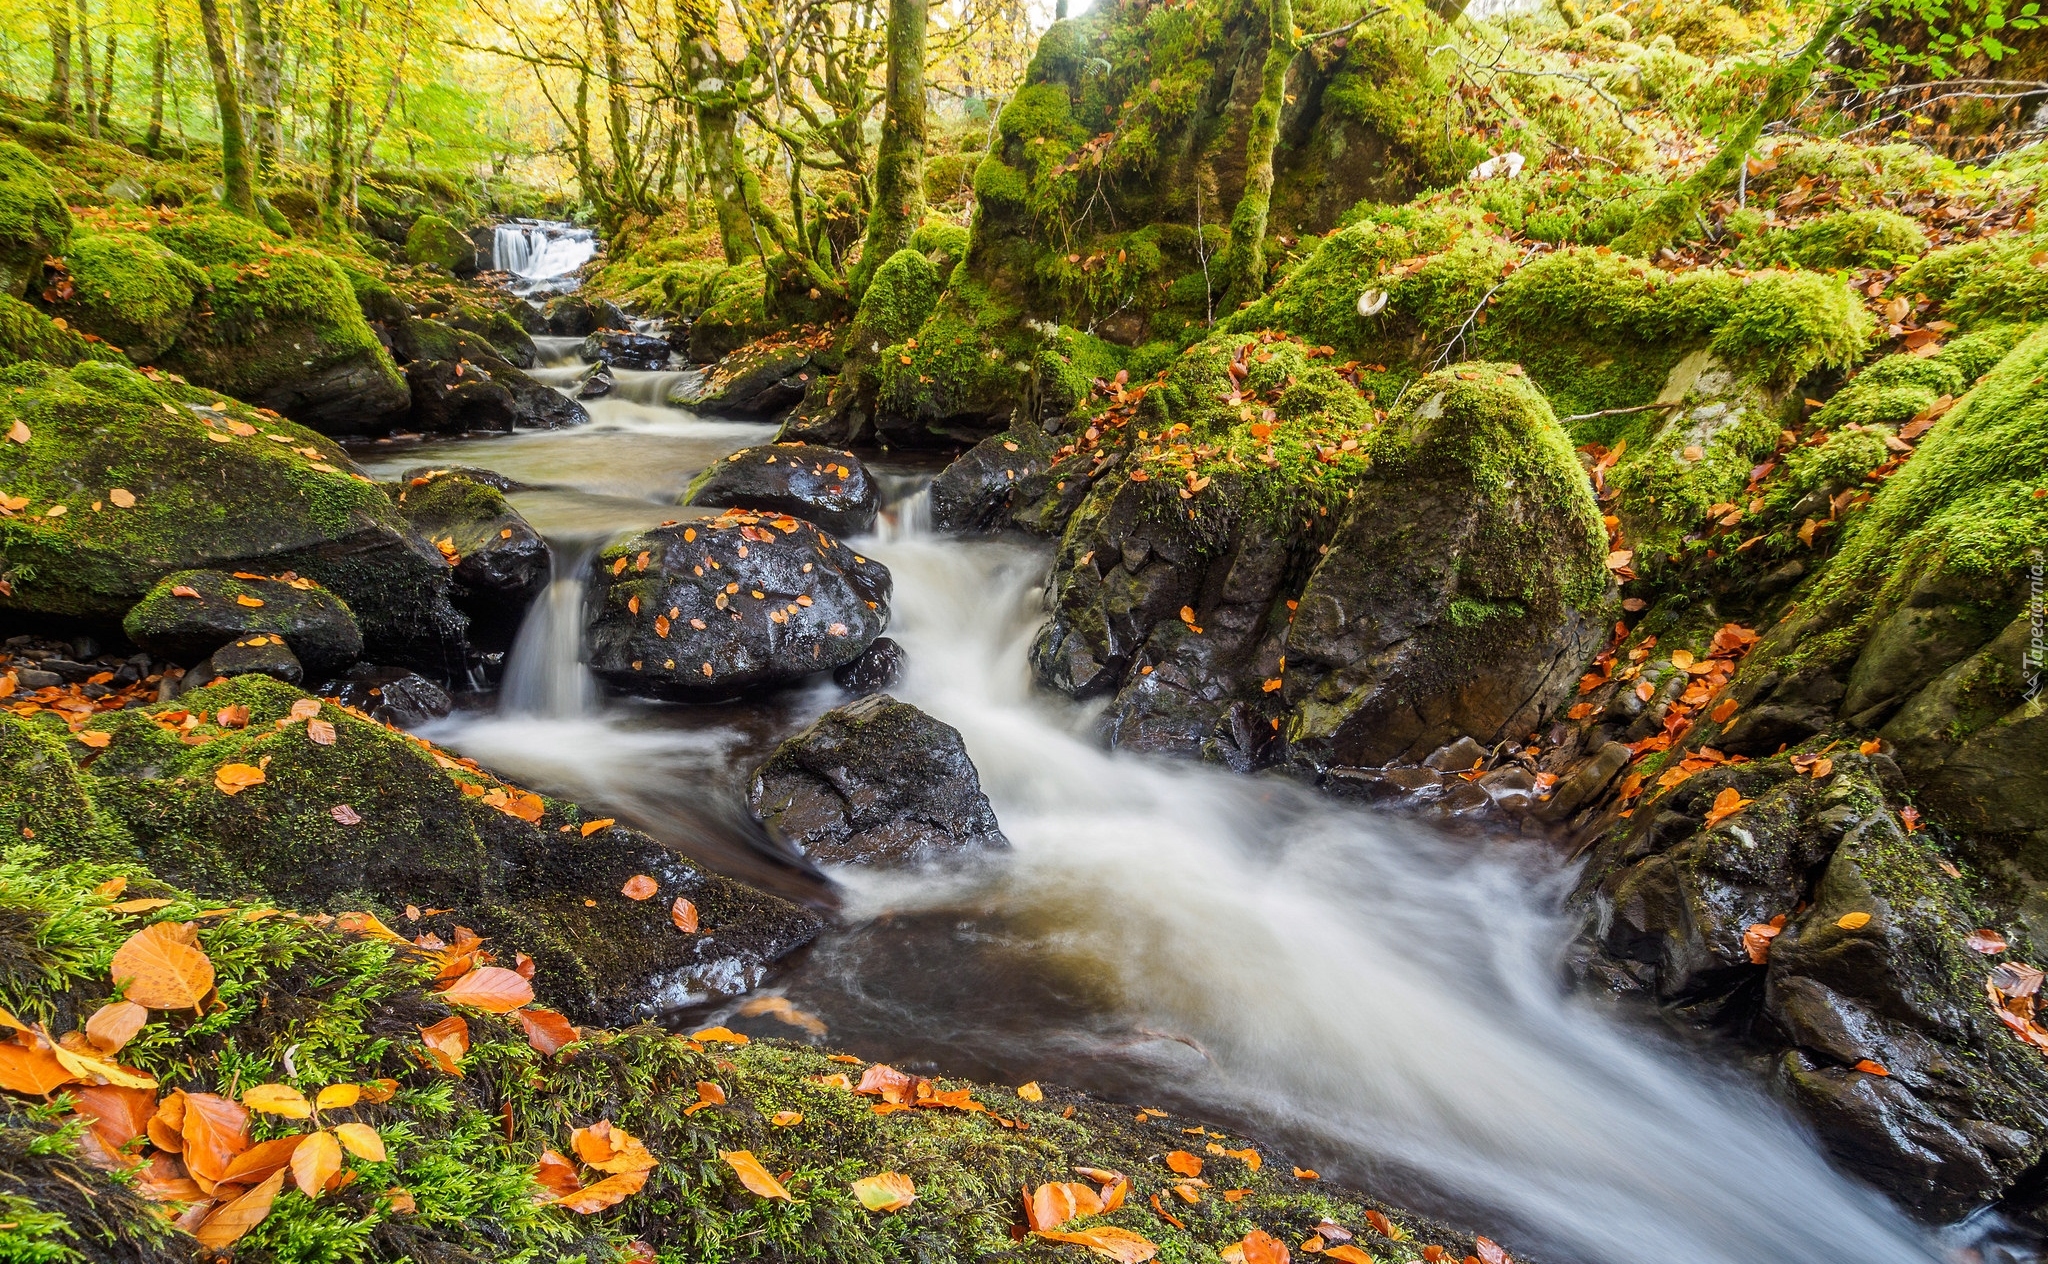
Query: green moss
[1891,391]
[1990,279]
[434,241]
[943,242]
[898,300]
[1866,238]
[1845,460]
[998,184]
[131,291]
[34,222]
[26,333]
[733,311]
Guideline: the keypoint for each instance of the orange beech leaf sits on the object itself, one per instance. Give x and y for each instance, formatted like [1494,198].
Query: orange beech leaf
[360,1140]
[556,1174]
[338,1097]
[591,827]
[1260,1247]
[708,1095]
[377,1092]
[1988,942]
[1248,1156]
[547,1031]
[1756,941]
[1031,1092]
[162,969]
[889,1084]
[75,1054]
[1159,1209]
[1348,1254]
[278,1099]
[367,924]
[1490,1252]
[1052,1205]
[639,887]
[890,1191]
[226,1224]
[838,1081]
[115,1024]
[599,1195]
[1307,1174]
[118,1115]
[1909,816]
[1434,1253]
[163,1180]
[214,1132]
[401,1200]
[316,1163]
[610,1149]
[1722,713]
[684,915]
[137,906]
[1868,1067]
[448,1042]
[1381,1225]
[1184,1163]
[718,1035]
[753,1175]
[260,1160]
[1726,804]
[94,738]
[320,732]
[32,1069]
[787,1118]
[493,989]
[1853,921]
[1109,1242]
[166,1127]
[232,779]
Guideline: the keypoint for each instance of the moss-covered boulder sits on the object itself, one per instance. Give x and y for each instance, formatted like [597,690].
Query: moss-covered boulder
[28,333]
[131,291]
[1870,967]
[500,564]
[190,614]
[1864,238]
[825,486]
[434,241]
[281,329]
[34,222]
[308,1004]
[761,379]
[459,382]
[898,301]
[207,484]
[730,312]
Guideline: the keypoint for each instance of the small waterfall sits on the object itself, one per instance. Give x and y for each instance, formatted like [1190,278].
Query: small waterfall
[545,677]
[540,252]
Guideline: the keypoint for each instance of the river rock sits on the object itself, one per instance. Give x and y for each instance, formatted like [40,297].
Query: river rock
[622,350]
[875,782]
[719,606]
[261,654]
[454,397]
[574,316]
[825,486]
[392,695]
[500,563]
[1871,964]
[211,490]
[532,403]
[434,241]
[761,379]
[190,614]
[597,383]
[986,487]
[878,667]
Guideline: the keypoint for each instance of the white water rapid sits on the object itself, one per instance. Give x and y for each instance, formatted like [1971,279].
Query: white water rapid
[1383,1000]
[539,251]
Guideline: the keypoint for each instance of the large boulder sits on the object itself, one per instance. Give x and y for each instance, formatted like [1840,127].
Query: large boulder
[130,290]
[574,315]
[457,397]
[34,222]
[215,485]
[875,782]
[434,241]
[761,379]
[28,333]
[477,385]
[500,564]
[389,695]
[378,820]
[190,614]
[825,486]
[1866,998]
[280,328]
[620,349]
[718,606]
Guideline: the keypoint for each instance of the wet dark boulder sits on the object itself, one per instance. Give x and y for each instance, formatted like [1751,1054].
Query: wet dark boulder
[392,695]
[622,350]
[259,654]
[190,614]
[574,315]
[499,563]
[761,379]
[532,404]
[375,821]
[825,486]
[875,782]
[597,383]
[1868,1003]
[718,606]
[1011,479]
[456,396]
[474,473]
[215,485]
[878,667]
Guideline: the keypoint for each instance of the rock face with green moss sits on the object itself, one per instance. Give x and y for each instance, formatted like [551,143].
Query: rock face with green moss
[1870,968]
[825,486]
[27,333]
[721,606]
[499,563]
[459,381]
[190,614]
[212,489]
[130,290]
[433,240]
[34,222]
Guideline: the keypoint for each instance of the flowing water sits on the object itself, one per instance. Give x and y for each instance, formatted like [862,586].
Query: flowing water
[1381,999]
[541,253]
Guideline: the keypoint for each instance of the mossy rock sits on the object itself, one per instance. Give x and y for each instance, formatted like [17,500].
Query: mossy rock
[309,1005]
[212,490]
[732,314]
[1864,238]
[500,564]
[28,333]
[434,241]
[34,222]
[1985,280]
[222,606]
[944,243]
[131,291]
[282,329]
[898,301]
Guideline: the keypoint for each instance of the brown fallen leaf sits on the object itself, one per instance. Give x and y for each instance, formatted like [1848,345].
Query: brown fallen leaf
[1490,1252]
[1726,804]
[1109,1242]
[448,1042]
[493,989]
[115,1024]
[708,1095]
[215,1131]
[360,1140]
[232,779]
[684,915]
[611,1149]
[228,1223]
[889,1191]
[1052,1205]
[260,1160]
[160,967]
[316,1163]
[754,1176]
[608,1192]
[1348,1254]
[278,1099]
[548,1032]
[1988,942]
[1184,1163]
[1853,921]
[591,827]
[320,732]
[639,887]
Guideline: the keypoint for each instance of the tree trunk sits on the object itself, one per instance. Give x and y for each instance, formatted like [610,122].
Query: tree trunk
[60,62]
[899,158]
[1245,265]
[717,112]
[234,148]
[333,211]
[261,53]
[159,65]
[1660,225]
[106,111]
[92,126]
[618,110]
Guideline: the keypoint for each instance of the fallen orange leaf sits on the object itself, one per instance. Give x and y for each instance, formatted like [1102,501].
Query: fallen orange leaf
[228,1223]
[708,1095]
[684,915]
[1868,1067]
[235,778]
[1109,1242]
[114,1024]
[547,1031]
[1053,1204]
[608,1192]
[1853,921]
[316,1163]
[360,1140]
[890,1191]
[448,1042]
[162,969]
[1184,1163]
[493,989]
[278,1099]
[753,1175]
[1726,804]
[639,887]
[591,827]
